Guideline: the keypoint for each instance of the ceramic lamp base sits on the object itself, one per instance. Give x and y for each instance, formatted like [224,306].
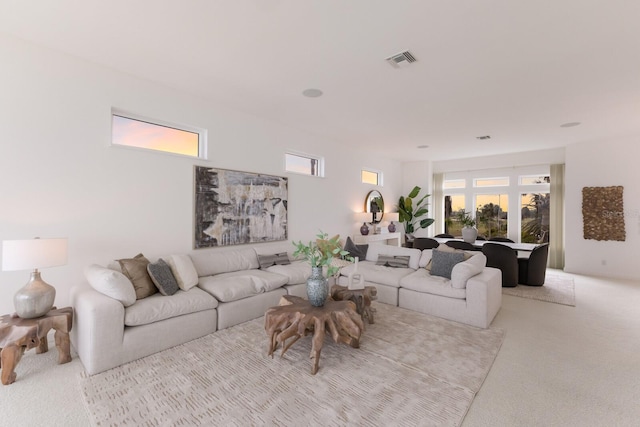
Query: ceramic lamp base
[35,299]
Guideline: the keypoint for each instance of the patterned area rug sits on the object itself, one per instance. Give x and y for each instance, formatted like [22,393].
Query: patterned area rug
[410,369]
[556,289]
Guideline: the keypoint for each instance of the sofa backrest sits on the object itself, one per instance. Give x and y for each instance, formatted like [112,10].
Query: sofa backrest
[376,249]
[212,262]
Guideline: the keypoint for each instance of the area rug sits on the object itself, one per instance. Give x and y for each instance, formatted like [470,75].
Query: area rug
[410,369]
[556,289]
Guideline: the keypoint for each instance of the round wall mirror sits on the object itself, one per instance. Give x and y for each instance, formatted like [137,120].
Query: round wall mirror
[374,204]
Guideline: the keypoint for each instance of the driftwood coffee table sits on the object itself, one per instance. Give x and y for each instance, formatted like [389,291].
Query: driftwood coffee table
[295,317]
[361,298]
[18,335]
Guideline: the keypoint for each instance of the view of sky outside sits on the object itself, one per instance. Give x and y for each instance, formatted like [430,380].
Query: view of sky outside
[136,133]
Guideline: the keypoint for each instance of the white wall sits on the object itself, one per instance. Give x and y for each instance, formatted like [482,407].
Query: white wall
[60,178]
[602,164]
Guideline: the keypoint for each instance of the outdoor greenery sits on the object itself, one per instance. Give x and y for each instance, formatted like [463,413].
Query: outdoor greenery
[411,214]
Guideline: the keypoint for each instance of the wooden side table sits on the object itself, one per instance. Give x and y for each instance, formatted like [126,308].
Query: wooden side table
[361,298]
[18,335]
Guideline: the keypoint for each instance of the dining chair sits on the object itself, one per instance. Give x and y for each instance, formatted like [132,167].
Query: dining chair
[500,239]
[457,244]
[505,259]
[425,243]
[532,270]
[444,236]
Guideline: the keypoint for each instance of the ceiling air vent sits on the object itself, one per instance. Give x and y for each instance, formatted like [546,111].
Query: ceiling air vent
[401,59]
[483,137]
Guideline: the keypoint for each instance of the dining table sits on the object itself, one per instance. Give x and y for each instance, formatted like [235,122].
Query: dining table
[525,247]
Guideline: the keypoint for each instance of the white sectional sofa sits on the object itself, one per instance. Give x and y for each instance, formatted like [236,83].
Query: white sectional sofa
[111,327]
[472,296]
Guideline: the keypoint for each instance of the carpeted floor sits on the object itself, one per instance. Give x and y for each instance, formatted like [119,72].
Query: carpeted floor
[411,369]
[556,289]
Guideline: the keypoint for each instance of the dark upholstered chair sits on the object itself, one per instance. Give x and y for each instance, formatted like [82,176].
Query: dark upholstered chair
[501,239]
[444,236]
[457,244]
[532,270]
[504,258]
[425,243]
[479,237]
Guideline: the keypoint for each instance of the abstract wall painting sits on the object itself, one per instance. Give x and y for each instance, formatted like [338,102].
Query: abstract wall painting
[234,207]
[603,213]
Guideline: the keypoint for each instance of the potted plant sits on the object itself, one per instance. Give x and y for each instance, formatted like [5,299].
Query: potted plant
[320,253]
[469,230]
[411,214]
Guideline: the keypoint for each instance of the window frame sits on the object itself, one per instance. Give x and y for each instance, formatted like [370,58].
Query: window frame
[299,154]
[202,134]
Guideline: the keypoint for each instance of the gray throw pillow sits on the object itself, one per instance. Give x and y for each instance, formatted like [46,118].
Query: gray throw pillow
[397,261]
[354,250]
[266,261]
[443,262]
[163,277]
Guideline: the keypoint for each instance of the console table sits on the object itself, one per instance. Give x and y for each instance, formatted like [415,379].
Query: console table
[18,334]
[394,239]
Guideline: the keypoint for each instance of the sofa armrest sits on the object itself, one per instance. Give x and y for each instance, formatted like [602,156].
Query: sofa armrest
[98,329]
[484,295]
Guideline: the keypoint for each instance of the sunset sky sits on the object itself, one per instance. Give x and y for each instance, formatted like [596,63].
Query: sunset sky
[135,133]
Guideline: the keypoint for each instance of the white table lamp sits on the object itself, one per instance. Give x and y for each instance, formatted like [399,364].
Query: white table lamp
[36,298]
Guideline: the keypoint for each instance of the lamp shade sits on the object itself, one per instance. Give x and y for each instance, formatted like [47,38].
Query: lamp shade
[33,253]
[392,216]
[363,217]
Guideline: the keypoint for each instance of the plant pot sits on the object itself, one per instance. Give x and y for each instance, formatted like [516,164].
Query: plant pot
[469,234]
[317,290]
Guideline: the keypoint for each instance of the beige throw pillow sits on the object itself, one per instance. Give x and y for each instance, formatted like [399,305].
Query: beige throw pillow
[183,270]
[136,270]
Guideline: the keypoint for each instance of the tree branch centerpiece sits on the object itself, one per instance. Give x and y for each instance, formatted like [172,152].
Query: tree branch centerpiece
[411,214]
[320,254]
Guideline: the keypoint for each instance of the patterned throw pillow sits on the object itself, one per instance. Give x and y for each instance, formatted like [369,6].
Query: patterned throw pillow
[442,262]
[162,277]
[396,261]
[136,270]
[266,261]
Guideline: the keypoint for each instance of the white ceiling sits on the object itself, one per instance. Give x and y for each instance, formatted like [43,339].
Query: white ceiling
[514,70]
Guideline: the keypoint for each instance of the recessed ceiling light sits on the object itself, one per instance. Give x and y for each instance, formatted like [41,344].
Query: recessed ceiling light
[483,137]
[570,124]
[423,146]
[312,93]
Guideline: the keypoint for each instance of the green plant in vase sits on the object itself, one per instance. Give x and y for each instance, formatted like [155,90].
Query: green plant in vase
[412,213]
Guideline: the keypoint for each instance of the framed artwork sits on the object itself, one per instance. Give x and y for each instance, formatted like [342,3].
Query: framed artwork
[603,213]
[234,207]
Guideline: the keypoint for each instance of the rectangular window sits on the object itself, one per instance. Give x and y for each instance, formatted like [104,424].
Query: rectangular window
[454,183]
[134,131]
[491,182]
[303,164]
[453,207]
[534,217]
[371,177]
[534,179]
[492,215]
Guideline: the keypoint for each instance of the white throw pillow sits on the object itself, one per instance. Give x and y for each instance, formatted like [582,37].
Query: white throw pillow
[465,270]
[184,271]
[425,257]
[111,283]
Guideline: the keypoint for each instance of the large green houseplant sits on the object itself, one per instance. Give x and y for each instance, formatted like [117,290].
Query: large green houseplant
[412,213]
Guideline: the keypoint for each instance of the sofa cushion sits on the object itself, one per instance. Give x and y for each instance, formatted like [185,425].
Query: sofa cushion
[377,249]
[213,262]
[136,270]
[465,270]
[443,262]
[396,261]
[162,277]
[422,281]
[183,270]
[159,307]
[373,273]
[266,261]
[111,283]
[296,273]
[237,285]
